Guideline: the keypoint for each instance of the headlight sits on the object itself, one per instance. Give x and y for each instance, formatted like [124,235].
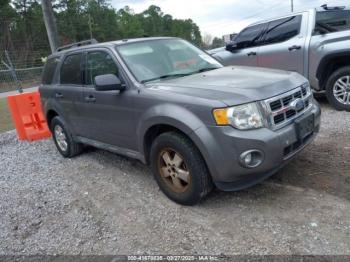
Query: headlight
[242,117]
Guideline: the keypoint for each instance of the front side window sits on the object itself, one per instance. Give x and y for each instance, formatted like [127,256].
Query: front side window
[99,63]
[283,29]
[333,21]
[154,60]
[250,36]
[71,71]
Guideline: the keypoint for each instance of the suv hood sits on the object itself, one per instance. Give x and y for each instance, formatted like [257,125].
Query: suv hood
[233,85]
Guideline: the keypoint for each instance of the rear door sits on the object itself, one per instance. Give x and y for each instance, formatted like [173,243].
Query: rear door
[108,116]
[283,45]
[68,93]
[248,44]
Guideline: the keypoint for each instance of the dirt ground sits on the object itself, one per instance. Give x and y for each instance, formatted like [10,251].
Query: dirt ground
[101,203]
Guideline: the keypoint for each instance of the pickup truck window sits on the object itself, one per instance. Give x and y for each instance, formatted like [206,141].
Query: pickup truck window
[282,30]
[249,37]
[71,71]
[333,21]
[168,58]
[99,63]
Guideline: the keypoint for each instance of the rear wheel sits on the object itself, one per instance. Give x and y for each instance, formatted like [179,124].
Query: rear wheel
[338,89]
[179,169]
[63,139]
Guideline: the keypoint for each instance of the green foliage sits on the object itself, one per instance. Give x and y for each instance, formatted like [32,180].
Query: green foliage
[23,30]
[217,42]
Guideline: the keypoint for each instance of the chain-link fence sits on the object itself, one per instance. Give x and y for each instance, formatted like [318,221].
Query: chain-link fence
[26,76]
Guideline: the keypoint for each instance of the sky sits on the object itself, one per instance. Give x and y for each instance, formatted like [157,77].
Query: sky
[220,17]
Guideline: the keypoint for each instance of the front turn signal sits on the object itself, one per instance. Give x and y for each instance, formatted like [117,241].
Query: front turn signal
[221,116]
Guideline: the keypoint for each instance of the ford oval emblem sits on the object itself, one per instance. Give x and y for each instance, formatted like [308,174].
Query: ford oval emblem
[297,104]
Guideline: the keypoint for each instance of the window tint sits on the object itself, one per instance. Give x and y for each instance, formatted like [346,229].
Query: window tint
[49,70]
[283,29]
[70,70]
[333,21]
[250,36]
[99,63]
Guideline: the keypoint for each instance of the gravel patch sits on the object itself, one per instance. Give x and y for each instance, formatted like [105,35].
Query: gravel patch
[102,203]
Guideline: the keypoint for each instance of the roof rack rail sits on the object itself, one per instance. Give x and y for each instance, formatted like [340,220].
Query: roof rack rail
[326,7]
[77,44]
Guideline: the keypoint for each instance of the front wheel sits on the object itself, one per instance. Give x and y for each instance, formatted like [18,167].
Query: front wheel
[179,169]
[338,89]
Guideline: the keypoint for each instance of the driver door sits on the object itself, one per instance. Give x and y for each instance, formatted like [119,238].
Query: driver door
[107,115]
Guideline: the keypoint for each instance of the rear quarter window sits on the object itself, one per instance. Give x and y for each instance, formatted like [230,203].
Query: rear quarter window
[49,70]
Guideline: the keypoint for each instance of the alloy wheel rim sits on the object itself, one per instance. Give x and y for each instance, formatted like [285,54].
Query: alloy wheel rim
[61,138]
[173,170]
[341,90]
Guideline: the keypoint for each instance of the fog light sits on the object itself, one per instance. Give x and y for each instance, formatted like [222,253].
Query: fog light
[251,158]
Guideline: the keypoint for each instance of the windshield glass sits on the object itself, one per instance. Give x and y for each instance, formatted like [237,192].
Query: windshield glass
[167,58]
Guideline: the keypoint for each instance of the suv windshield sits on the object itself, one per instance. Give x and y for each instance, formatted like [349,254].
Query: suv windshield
[167,58]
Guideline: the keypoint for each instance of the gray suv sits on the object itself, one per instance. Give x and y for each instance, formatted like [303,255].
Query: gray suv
[170,105]
[314,43]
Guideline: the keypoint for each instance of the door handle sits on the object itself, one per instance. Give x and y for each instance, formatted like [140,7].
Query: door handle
[251,53]
[90,99]
[59,95]
[294,47]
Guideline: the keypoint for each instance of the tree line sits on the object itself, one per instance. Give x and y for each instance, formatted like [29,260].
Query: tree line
[23,30]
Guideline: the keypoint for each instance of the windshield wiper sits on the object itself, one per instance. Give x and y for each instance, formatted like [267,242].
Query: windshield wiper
[205,69]
[165,76]
[179,75]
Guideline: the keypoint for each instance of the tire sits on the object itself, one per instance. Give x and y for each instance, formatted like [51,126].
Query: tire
[342,74]
[191,172]
[72,148]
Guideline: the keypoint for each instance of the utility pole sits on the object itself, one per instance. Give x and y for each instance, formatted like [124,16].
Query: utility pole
[292,5]
[50,23]
[90,26]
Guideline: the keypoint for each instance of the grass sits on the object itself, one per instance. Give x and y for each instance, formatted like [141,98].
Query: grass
[5,117]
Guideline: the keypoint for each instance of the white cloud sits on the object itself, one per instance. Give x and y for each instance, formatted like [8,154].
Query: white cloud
[219,17]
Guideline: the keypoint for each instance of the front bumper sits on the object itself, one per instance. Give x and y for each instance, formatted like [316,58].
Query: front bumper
[224,145]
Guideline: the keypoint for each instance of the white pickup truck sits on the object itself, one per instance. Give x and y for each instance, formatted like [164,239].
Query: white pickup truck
[315,43]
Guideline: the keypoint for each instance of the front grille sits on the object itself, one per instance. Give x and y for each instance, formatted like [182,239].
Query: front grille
[280,110]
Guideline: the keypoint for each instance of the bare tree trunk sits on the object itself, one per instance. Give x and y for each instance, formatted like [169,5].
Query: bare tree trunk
[50,23]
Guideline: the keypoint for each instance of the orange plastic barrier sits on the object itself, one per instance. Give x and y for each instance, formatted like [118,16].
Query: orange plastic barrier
[28,117]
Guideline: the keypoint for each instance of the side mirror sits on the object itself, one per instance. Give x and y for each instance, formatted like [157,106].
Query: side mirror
[232,46]
[108,82]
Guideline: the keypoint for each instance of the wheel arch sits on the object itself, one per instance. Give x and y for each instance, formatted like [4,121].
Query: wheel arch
[330,64]
[165,118]
[50,115]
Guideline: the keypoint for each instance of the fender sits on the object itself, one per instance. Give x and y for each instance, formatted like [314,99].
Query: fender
[167,114]
[182,119]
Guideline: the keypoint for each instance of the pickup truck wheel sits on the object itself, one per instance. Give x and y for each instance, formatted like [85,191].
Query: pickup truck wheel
[338,89]
[179,169]
[63,139]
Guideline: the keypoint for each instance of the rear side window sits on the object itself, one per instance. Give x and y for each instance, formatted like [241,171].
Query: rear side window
[49,70]
[99,63]
[70,70]
[333,21]
[282,30]
[250,36]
